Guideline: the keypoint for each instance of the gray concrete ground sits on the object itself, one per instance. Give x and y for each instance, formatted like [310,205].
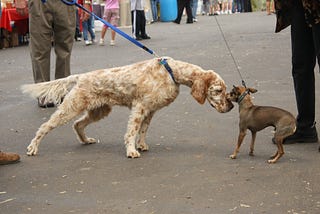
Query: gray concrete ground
[187,169]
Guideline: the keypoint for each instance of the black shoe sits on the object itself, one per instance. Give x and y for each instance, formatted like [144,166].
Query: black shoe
[139,38]
[309,135]
[175,21]
[145,37]
[189,22]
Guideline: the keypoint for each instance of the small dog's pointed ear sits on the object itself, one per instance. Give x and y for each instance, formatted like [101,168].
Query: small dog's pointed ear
[252,90]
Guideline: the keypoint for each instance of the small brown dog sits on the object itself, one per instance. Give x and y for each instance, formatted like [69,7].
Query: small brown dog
[256,118]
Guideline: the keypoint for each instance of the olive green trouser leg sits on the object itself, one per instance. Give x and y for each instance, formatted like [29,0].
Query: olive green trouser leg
[56,20]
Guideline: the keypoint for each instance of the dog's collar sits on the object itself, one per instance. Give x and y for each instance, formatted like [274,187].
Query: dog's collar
[242,96]
[164,62]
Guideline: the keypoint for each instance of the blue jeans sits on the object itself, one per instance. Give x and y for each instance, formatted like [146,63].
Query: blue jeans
[87,26]
[240,6]
[194,7]
[154,9]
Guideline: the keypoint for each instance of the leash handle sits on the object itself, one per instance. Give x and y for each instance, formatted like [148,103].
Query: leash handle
[123,34]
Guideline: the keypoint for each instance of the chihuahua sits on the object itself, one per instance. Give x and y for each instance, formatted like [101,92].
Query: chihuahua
[256,118]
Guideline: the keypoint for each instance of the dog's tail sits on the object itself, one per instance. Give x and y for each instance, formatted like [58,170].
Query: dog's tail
[53,91]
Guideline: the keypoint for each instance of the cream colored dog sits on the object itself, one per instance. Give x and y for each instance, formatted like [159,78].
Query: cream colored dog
[144,87]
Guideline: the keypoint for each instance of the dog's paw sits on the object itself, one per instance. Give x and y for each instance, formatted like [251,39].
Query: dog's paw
[90,140]
[233,156]
[272,161]
[143,147]
[32,149]
[133,154]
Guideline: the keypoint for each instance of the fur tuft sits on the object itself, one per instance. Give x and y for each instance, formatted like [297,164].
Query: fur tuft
[53,91]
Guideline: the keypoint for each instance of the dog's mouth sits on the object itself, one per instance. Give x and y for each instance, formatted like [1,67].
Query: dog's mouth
[224,109]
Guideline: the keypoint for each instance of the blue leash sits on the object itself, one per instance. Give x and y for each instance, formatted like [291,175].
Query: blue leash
[162,61]
[131,39]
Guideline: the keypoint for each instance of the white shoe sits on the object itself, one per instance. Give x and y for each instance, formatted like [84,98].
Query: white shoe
[87,42]
[101,42]
[94,41]
[112,43]
[229,12]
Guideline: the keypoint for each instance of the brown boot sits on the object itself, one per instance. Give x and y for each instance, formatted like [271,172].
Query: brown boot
[7,158]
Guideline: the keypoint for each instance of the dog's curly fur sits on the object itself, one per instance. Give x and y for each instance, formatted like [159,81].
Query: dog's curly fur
[144,87]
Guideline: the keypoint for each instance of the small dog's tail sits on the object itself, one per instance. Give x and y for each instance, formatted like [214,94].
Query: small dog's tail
[52,91]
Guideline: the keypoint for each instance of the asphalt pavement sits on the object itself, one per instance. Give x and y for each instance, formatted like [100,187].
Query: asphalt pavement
[187,169]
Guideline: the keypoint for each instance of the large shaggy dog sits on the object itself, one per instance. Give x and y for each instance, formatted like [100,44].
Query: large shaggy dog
[144,87]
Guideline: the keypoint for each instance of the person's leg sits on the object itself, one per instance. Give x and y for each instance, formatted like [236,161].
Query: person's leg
[40,28]
[189,12]
[143,26]
[268,7]
[134,24]
[303,64]
[64,23]
[154,10]
[139,23]
[194,8]
[85,30]
[114,20]
[103,33]
[90,29]
[106,17]
[180,11]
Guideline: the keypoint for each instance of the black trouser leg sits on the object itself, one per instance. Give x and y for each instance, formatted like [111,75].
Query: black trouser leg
[180,10]
[303,64]
[189,12]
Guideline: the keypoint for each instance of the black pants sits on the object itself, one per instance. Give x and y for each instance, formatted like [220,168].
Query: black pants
[181,5]
[305,50]
[138,19]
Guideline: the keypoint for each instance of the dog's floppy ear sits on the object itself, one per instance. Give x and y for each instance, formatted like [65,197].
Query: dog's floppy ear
[199,90]
[252,90]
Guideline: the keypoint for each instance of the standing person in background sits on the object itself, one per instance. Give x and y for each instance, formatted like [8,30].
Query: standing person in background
[154,8]
[49,22]
[304,18]
[205,7]
[87,22]
[240,6]
[226,7]
[111,15]
[216,9]
[138,19]
[194,8]
[181,5]
[7,158]
[77,35]
[269,7]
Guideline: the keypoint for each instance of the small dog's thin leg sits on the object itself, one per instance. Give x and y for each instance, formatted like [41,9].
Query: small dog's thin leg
[138,115]
[90,117]
[253,138]
[58,118]
[280,151]
[141,144]
[240,139]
